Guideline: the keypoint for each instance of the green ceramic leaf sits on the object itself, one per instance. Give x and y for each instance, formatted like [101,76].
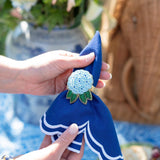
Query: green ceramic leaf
[88,95]
[73,98]
[83,98]
[69,94]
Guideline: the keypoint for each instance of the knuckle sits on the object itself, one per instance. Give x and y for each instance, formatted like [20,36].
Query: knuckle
[79,61]
[63,139]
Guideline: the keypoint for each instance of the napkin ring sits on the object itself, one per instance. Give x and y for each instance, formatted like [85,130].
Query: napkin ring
[79,84]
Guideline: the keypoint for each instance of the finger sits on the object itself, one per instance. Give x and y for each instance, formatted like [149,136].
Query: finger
[65,154]
[100,84]
[56,149]
[61,80]
[104,75]
[77,156]
[65,139]
[68,54]
[76,61]
[46,141]
[105,66]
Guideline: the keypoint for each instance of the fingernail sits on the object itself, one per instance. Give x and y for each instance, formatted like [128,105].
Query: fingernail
[104,84]
[110,76]
[108,67]
[73,129]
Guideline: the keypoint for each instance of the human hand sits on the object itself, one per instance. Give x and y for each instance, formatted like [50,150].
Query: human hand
[44,74]
[58,149]
[48,73]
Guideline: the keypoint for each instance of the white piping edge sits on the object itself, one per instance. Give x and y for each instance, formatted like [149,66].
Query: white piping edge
[84,129]
[55,132]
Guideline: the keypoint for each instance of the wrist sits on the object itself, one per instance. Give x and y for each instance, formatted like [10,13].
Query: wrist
[10,71]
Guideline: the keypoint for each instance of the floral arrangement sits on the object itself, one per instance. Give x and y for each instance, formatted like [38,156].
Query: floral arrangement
[49,13]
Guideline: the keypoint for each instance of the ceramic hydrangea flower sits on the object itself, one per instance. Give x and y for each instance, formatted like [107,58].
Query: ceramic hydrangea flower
[79,84]
[24,4]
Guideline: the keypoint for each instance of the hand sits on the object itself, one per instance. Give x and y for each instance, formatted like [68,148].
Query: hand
[58,149]
[44,74]
[48,73]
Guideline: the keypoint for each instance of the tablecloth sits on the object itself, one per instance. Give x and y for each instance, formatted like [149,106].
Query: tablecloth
[18,137]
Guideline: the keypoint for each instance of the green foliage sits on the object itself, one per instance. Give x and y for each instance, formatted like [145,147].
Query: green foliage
[6,18]
[99,1]
[73,98]
[52,16]
[43,13]
[2,40]
[96,23]
[88,95]
[7,22]
[82,97]
[47,1]
[70,95]
[80,14]
[78,2]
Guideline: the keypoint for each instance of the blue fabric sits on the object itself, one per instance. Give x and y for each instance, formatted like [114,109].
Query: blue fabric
[93,119]
[95,67]
[18,137]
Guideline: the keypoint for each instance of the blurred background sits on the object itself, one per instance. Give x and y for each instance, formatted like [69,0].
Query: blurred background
[130,44]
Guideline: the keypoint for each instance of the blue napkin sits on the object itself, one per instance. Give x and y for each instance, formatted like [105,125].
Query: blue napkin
[86,110]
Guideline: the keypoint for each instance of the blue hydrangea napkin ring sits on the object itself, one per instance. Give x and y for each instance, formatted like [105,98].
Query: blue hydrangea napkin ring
[79,84]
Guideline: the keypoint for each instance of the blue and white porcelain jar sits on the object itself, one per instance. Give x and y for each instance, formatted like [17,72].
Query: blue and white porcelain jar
[26,42]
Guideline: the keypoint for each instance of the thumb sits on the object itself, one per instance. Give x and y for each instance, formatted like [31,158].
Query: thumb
[82,61]
[55,150]
[66,138]
[61,144]
[78,61]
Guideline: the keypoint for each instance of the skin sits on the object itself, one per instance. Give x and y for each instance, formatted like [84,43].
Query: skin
[44,75]
[56,150]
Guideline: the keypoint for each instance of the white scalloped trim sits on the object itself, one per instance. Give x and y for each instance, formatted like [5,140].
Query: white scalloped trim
[83,128]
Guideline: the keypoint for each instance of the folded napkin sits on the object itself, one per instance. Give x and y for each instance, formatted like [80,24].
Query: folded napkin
[78,104]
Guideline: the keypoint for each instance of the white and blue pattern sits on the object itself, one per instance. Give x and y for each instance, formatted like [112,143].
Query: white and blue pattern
[24,4]
[80,81]
[26,42]
[19,140]
[75,146]
[94,121]
[54,122]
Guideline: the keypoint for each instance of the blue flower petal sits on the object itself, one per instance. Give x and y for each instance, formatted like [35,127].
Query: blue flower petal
[80,81]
